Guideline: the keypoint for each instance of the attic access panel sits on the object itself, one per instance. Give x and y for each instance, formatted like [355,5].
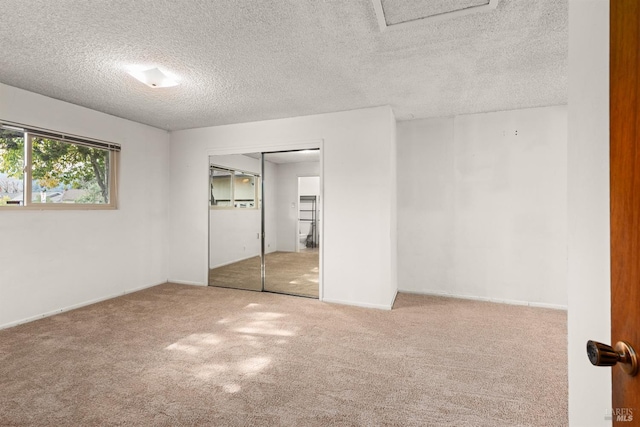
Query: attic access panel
[401,13]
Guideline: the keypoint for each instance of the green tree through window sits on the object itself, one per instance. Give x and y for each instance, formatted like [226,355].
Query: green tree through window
[55,163]
[11,165]
[80,173]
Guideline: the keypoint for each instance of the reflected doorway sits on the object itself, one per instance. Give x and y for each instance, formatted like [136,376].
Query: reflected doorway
[308,213]
[264,222]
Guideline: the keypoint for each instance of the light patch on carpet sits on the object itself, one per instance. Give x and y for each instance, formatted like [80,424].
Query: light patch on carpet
[267,316]
[231,388]
[263,328]
[205,339]
[254,365]
[206,372]
[195,342]
[306,278]
[183,347]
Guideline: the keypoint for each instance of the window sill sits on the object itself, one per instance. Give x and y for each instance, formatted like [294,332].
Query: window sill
[59,207]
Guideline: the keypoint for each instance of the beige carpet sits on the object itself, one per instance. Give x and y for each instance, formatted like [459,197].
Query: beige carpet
[294,273]
[183,355]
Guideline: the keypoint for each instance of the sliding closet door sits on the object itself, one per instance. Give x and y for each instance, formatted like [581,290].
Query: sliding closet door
[235,221]
[292,207]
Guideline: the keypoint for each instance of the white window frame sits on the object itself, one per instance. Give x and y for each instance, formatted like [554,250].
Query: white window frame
[232,174]
[30,133]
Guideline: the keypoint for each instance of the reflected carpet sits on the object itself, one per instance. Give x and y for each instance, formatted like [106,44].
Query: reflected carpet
[294,273]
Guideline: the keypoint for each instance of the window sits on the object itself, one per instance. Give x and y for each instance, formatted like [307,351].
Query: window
[43,170]
[244,192]
[11,167]
[234,189]
[221,188]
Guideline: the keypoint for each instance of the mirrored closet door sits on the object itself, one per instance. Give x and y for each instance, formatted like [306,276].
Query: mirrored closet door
[291,219]
[235,221]
[264,222]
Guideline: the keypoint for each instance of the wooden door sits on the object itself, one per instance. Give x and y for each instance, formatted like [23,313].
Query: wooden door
[625,198]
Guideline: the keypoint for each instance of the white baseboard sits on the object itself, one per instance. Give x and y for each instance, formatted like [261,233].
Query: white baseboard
[233,262]
[74,306]
[489,299]
[393,300]
[186,282]
[359,304]
[546,305]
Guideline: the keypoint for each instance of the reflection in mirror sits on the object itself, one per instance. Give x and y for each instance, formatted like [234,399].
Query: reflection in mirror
[220,183]
[234,221]
[292,214]
[245,190]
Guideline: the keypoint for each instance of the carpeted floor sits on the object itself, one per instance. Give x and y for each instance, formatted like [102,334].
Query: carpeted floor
[294,273]
[185,355]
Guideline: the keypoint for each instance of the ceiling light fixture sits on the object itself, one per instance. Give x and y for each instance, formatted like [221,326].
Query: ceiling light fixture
[154,78]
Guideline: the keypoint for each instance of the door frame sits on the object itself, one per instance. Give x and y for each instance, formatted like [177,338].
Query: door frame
[260,148]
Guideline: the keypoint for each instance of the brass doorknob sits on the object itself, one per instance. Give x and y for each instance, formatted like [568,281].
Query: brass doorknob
[604,355]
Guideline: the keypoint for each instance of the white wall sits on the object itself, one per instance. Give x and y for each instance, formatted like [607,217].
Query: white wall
[588,209]
[53,260]
[287,201]
[358,149]
[309,185]
[234,235]
[482,206]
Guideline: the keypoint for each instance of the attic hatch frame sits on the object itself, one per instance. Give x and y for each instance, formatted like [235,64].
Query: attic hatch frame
[382,21]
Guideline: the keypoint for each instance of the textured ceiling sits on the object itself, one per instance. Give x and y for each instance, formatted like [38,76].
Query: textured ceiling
[246,60]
